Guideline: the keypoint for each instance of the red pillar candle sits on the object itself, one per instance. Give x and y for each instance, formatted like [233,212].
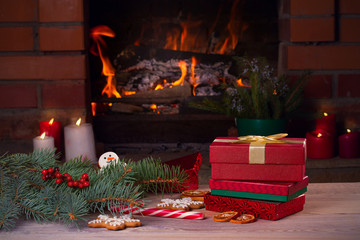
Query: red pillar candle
[349,144]
[327,123]
[53,129]
[320,145]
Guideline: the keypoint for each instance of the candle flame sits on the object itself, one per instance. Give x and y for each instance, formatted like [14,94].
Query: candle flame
[78,122]
[348,130]
[325,114]
[51,121]
[42,136]
[319,135]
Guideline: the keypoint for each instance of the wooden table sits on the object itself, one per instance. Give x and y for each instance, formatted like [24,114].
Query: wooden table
[332,211]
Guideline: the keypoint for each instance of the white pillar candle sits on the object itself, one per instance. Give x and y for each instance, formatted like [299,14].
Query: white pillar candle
[43,142]
[79,141]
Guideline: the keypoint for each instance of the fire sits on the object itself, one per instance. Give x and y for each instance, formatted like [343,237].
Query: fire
[325,114]
[127,93]
[93,108]
[348,130]
[193,79]
[241,84]
[51,121]
[108,69]
[182,65]
[42,136]
[78,122]
[159,86]
[319,135]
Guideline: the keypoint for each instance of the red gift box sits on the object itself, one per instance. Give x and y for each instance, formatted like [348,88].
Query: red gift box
[282,161]
[276,188]
[260,209]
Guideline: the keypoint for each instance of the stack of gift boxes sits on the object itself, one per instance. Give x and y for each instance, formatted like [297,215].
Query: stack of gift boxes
[263,177]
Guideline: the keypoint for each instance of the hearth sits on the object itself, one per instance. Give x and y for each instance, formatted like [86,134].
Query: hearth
[151,58]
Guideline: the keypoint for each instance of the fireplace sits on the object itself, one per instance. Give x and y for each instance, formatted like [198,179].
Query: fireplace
[46,71]
[165,54]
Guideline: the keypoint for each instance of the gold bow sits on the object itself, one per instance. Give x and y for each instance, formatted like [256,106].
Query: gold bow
[257,145]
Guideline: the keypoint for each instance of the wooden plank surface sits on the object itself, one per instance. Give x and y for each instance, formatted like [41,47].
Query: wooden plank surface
[332,211]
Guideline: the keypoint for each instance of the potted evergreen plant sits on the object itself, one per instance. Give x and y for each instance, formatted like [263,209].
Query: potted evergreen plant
[259,100]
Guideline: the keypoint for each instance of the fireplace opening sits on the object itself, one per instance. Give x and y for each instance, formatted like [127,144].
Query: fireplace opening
[149,59]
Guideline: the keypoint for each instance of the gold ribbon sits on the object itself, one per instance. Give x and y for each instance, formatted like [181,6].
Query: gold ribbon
[257,145]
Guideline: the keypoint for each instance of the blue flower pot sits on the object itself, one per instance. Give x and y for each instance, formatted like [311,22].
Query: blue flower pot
[261,127]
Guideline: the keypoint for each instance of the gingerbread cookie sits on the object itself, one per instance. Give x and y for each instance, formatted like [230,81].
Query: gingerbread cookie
[196,195]
[225,216]
[180,204]
[130,221]
[245,218]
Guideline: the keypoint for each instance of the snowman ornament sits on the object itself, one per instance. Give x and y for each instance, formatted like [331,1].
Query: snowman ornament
[108,158]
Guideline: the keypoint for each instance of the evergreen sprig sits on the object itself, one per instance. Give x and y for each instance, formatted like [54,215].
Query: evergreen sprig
[261,95]
[117,186]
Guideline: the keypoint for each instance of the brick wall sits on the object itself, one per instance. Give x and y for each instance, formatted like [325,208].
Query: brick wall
[323,36]
[42,64]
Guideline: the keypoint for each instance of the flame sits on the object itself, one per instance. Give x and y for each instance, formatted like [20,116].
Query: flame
[182,65]
[42,136]
[127,93]
[108,69]
[159,86]
[275,92]
[241,84]
[153,107]
[319,135]
[172,40]
[325,114]
[93,108]
[78,122]
[51,121]
[193,79]
[348,130]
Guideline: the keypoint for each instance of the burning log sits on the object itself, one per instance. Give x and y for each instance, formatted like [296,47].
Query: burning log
[126,108]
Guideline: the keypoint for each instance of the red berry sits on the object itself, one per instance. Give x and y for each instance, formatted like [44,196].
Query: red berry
[76,183]
[85,176]
[58,175]
[44,172]
[56,169]
[86,183]
[70,184]
[69,178]
[44,178]
[50,170]
[82,180]
[66,174]
[59,180]
[47,176]
[81,185]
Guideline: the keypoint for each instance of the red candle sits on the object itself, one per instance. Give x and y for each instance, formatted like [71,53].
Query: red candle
[53,129]
[349,144]
[327,123]
[320,145]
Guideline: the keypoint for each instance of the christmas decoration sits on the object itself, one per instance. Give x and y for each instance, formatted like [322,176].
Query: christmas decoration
[167,213]
[23,189]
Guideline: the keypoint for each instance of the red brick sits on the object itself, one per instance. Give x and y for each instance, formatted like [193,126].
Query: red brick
[61,11]
[61,38]
[319,86]
[69,95]
[349,6]
[349,85]
[42,67]
[18,10]
[311,7]
[312,29]
[16,39]
[349,30]
[18,96]
[323,57]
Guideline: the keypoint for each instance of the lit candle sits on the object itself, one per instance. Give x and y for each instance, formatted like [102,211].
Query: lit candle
[327,123]
[53,129]
[43,142]
[349,144]
[79,141]
[319,145]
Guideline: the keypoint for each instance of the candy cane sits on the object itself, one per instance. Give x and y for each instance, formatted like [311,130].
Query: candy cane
[167,213]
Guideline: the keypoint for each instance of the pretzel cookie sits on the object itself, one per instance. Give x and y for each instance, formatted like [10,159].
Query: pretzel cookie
[196,195]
